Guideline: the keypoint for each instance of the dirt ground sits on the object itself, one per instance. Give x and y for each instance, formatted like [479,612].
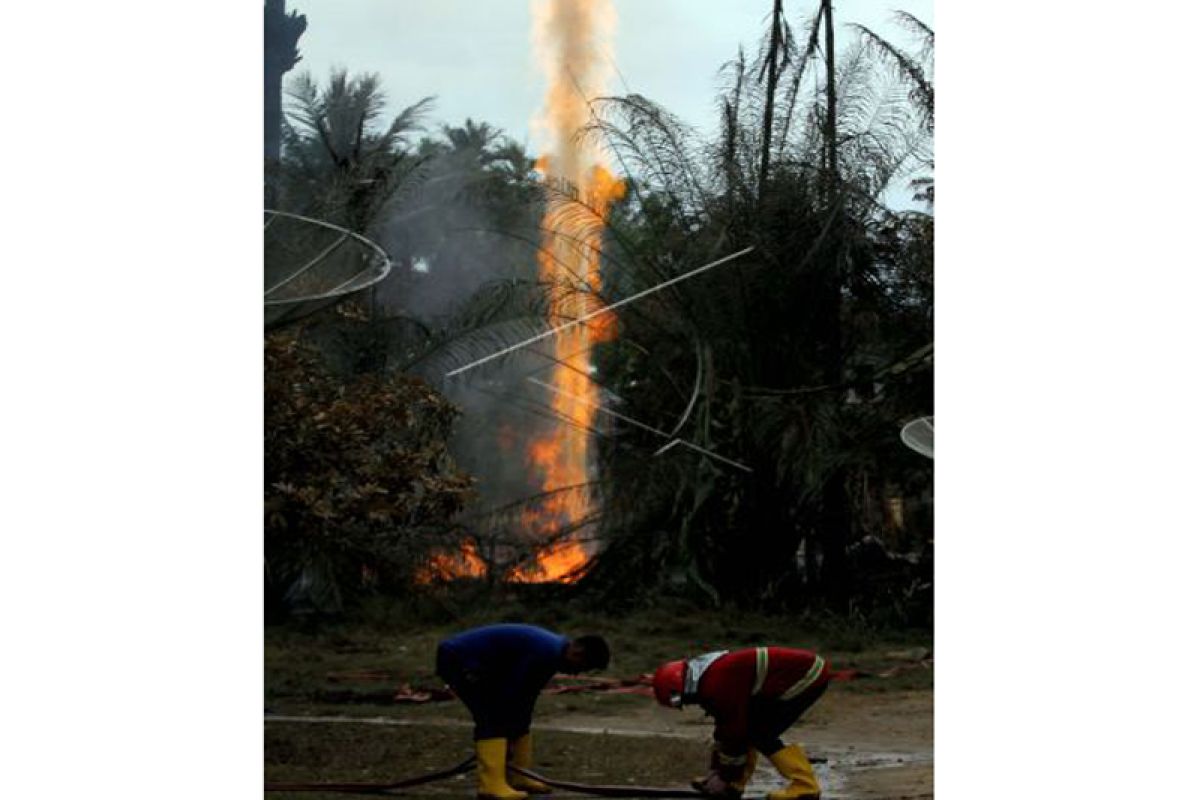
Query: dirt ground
[331,717]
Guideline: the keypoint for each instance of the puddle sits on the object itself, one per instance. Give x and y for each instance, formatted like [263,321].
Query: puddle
[835,771]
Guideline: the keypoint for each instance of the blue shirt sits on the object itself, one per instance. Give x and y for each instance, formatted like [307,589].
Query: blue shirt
[521,656]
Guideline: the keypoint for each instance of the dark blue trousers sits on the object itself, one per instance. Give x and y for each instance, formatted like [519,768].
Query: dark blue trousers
[500,710]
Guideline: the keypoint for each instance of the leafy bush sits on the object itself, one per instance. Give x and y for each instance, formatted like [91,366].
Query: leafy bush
[359,484]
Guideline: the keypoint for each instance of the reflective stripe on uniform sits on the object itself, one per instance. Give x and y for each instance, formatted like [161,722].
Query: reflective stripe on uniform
[695,670]
[760,669]
[731,761]
[808,680]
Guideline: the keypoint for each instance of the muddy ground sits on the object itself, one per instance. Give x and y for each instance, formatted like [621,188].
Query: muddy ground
[331,716]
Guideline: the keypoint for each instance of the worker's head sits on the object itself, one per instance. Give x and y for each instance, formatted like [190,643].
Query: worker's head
[586,653]
[668,684]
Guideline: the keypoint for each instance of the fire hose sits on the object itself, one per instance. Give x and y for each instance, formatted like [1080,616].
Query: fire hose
[375,788]
[598,790]
[602,790]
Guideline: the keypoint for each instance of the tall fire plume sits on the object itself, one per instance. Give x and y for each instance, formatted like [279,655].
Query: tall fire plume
[572,39]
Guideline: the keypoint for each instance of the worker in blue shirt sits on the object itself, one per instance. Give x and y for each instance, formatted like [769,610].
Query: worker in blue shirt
[498,671]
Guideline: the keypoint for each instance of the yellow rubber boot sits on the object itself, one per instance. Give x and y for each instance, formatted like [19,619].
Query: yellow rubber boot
[520,754]
[793,765]
[490,769]
[747,771]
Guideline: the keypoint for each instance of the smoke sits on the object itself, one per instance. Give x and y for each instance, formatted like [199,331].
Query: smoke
[572,39]
[473,244]
[464,229]
[453,233]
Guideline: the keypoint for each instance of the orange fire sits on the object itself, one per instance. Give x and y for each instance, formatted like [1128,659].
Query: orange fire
[572,37]
[446,565]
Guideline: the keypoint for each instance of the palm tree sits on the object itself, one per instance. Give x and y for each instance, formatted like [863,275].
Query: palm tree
[915,70]
[342,164]
[758,361]
[281,32]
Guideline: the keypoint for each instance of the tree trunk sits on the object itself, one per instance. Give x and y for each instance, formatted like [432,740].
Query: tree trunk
[835,504]
[281,33]
[772,81]
[831,165]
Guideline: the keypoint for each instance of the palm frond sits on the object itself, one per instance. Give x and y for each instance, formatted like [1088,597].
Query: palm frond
[907,67]
[922,31]
[465,346]
[658,145]
[410,120]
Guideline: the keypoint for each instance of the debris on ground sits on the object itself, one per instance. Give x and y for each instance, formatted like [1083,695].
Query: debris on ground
[410,692]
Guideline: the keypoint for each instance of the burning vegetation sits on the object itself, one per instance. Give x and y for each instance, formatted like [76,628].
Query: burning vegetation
[572,39]
[786,378]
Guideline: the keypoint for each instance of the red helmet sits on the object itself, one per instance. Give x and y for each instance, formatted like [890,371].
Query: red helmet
[668,684]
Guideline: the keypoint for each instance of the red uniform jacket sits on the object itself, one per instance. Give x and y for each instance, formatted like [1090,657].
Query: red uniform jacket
[726,687]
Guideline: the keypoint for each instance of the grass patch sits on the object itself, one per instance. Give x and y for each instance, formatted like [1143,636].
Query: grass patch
[357,668]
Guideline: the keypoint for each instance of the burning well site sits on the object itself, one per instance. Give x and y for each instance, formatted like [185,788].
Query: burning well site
[598,349]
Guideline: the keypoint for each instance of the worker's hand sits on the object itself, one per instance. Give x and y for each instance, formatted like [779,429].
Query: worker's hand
[716,786]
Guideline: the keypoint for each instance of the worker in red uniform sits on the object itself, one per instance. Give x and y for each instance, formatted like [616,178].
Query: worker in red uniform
[754,695]
[498,672]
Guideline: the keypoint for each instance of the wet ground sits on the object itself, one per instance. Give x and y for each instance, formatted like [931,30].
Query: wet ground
[332,717]
[864,746]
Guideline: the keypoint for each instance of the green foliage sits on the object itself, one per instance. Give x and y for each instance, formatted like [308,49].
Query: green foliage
[791,350]
[340,163]
[801,360]
[359,485]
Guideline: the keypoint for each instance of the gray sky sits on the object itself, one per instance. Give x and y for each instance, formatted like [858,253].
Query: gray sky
[477,56]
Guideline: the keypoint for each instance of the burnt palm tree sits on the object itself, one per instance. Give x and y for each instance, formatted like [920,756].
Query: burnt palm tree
[281,33]
[772,360]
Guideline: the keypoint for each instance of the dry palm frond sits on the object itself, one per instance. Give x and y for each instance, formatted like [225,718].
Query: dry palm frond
[907,67]
[918,28]
[657,146]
